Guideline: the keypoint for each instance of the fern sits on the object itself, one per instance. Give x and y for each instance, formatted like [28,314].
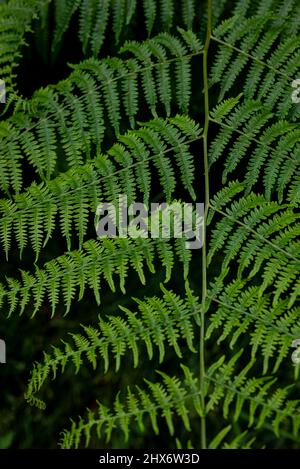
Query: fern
[74,195]
[275,154]
[58,117]
[158,400]
[163,400]
[15,21]
[87,267]
[94,18]
[158,323]
[200,114]
[264,400]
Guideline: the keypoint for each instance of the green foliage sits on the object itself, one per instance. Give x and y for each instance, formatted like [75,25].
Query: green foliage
[95,261]
[157,321]
[134,121]
[94,17]
[165,398]
[74,195]
[15,20]
[69,120]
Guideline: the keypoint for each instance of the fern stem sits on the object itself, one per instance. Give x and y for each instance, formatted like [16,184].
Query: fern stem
[204,254]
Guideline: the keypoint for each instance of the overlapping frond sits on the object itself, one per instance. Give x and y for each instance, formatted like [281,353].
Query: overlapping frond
[69,119]
[261,239]
[266,404]
[266,50]
[70,200]
[253,231]
[95,17]
[98,262]
[160,400]
[270,328]
[157,323]
[264,400]
[15,20]
[268,150]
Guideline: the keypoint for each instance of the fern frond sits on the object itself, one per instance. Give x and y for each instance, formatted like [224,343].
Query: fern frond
[265,402]
[157,322]
[16,18]
[72,115]
[68,149]
[269,66]
[275,153]
[73,196]
[173,396]
[261,237]
[95,17]
[64,11]
[97,261]
[271,329]
[159,400]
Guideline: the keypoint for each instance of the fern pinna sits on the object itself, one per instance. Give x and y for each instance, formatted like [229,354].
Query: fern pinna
[195,342]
